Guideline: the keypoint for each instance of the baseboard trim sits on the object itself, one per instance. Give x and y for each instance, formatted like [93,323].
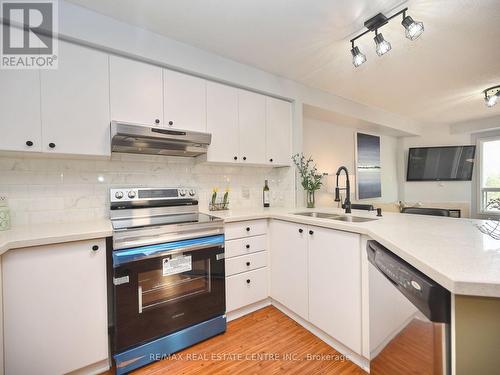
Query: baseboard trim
[93,369]
[245,310]
[341,348]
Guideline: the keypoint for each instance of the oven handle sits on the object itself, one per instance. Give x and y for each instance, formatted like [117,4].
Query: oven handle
[121,257]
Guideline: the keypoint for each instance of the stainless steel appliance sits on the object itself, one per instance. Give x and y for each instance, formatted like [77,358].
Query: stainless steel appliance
[143,139]
[166,274]
[409,318]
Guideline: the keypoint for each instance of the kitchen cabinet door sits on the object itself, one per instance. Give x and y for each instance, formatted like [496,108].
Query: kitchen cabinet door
[278,132]
[185,101]
[222,123]
[55,307]
[335,284]
[252,127]
[75,103]
[20,110]
[288,247]
[136,91]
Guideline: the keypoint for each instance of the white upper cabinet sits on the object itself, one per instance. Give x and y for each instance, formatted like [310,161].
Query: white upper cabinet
[68,110]
[75,103]
[335,284]
[252,127]
[222,122]
[20,110]
[185,101]
[136,91]
[288,247]
[278,134]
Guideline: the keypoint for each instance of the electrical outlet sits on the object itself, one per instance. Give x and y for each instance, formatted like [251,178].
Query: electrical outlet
[245,192]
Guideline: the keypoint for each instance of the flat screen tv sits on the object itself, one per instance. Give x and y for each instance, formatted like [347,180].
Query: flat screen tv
[447,163]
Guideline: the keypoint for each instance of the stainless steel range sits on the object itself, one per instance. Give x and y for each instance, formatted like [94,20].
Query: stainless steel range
[166,274]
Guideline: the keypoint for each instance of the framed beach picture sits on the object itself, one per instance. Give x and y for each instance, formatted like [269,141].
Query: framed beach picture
[368,177]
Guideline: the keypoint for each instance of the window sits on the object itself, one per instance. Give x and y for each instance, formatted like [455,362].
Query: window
[489,176]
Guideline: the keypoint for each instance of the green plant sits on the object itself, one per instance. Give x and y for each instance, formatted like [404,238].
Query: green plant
[226,197]
[310,178]
[214,195]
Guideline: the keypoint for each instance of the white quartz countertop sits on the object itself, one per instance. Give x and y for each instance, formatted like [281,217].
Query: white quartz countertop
[453,252]
[45,234]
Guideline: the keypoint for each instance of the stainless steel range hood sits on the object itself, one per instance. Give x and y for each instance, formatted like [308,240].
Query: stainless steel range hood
[143,139]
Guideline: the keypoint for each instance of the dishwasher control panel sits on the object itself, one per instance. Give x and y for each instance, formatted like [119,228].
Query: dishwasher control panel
[402,276]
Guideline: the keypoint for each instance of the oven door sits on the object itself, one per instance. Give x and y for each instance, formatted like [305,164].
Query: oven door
[163,288]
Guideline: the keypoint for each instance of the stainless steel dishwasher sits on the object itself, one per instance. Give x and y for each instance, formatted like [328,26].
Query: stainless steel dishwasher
[409,317]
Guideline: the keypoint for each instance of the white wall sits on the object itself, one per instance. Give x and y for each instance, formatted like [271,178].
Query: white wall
[332,145]
[431,191]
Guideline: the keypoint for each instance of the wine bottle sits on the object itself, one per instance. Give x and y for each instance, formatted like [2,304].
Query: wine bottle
[266,195]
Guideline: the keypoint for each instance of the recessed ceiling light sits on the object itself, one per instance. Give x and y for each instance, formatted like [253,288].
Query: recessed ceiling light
[382,45]
[491,96]
[413,29]
[357,57]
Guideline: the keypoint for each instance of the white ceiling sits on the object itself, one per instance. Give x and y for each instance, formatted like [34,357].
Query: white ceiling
[437,79]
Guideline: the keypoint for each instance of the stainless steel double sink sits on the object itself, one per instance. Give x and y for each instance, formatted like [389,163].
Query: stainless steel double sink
[346,218]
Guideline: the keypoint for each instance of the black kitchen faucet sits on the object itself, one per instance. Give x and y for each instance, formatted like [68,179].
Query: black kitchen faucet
[347,203]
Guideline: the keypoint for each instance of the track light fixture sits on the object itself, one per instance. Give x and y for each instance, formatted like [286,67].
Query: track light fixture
[491,96]
[413,30]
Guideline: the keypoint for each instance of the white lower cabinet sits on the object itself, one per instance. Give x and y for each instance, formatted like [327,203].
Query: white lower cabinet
[246,288]
[244,229]
[246,259]
[316,273]
[288,244]
[335,285]
[55,307]
[246,263]
[243,246]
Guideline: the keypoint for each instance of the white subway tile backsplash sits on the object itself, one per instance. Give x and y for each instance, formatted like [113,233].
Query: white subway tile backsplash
[42,190]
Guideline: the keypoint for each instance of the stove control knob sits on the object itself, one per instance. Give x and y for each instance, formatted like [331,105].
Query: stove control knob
[131,194]
[119,195]
[192,192]
[182,192]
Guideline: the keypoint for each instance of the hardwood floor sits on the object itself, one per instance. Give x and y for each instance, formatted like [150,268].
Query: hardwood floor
[282,344]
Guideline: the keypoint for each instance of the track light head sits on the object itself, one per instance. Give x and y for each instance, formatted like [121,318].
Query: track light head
[491,100]
[413,29]
[382,45]
[491,96]
[357,57]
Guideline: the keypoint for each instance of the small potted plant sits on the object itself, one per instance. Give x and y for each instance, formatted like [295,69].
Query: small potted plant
[219,204]
[310,178]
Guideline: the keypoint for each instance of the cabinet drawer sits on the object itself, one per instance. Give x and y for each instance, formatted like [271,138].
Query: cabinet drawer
[246,288]
[245,229]
[246,263]
[245,246]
